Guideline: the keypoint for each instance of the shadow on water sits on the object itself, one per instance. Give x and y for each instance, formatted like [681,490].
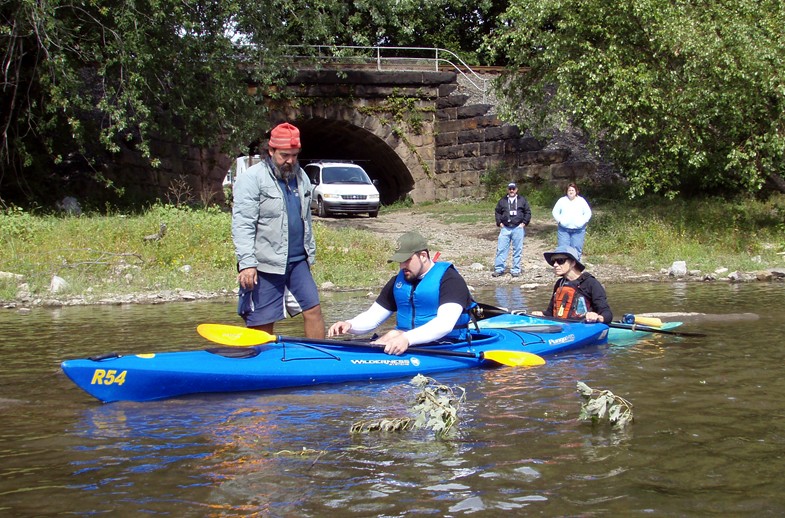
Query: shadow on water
[708,431]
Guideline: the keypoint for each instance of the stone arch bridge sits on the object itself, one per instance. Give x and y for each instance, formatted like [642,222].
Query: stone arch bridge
[421,134]
[416,132]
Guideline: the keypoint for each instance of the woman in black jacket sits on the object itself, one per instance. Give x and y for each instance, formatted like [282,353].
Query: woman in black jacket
[576,294]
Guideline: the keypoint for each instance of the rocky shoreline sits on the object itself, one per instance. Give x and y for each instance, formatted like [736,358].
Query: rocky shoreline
[476,275]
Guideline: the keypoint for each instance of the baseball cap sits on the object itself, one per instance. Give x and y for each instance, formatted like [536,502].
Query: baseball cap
[408,244]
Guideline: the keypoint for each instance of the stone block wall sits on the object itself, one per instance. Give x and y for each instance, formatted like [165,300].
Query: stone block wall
[187,174]
[471,141]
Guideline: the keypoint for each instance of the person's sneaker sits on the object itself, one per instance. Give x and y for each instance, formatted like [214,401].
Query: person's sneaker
[515,274]
[497,274]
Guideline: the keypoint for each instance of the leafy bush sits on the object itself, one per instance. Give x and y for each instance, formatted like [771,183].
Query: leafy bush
[651,82]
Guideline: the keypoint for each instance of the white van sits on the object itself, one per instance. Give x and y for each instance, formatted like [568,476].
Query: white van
[341,187]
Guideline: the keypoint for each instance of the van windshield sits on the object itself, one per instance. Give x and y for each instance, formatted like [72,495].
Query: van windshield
[344,175]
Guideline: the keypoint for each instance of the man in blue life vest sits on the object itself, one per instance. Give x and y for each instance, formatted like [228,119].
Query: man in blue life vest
[431,299]
[576,294]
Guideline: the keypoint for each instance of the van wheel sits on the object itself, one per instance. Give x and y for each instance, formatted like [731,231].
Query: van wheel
[321,211]
[373,214]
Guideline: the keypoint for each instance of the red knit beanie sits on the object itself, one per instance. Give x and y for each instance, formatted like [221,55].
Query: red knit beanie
[285,136]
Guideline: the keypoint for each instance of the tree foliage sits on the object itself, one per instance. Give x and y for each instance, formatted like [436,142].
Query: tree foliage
[684,95]
[83,81]
[456,25]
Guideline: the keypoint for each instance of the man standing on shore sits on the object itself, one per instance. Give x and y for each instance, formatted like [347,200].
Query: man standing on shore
[512,215]
[273,239]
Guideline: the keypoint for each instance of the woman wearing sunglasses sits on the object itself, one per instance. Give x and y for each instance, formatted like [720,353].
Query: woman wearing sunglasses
[576,294]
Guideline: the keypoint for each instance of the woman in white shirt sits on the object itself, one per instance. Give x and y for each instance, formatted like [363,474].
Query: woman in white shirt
[572,213]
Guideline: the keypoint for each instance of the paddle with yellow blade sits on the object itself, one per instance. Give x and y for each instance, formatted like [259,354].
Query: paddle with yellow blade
[631,319]
[238,336]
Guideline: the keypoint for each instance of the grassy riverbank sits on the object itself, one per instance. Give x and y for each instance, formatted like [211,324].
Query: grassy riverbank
[105,255]
[108,255]
[744,235]
[645,235]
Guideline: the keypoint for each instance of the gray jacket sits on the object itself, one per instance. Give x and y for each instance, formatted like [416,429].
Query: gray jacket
[260,226]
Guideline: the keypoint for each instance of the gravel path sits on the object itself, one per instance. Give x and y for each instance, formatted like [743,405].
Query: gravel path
[472,246]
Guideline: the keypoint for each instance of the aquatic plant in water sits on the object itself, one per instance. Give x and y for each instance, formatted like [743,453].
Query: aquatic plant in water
[435,407]
[599,404]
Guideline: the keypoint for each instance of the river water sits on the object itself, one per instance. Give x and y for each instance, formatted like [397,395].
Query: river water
[708,437]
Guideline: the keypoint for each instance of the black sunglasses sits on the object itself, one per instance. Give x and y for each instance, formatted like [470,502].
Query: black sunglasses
[560,261]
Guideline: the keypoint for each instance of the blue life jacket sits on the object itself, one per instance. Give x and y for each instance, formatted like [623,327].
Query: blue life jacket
[419,306]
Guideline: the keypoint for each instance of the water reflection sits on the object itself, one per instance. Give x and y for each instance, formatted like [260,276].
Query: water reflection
[511,298]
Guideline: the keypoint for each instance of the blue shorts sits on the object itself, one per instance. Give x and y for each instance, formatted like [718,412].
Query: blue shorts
[277,296]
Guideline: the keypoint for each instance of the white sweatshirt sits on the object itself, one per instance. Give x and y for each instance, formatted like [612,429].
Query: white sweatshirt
[572,213]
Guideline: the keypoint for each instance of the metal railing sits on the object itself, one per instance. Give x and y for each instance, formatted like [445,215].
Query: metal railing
[392,58]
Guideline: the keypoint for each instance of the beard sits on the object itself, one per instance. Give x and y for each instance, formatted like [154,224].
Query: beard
[285,171]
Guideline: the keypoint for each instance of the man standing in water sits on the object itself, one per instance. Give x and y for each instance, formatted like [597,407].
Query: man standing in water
[273,239]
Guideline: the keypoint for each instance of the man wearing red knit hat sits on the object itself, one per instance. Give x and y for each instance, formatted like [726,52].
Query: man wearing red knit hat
[273,238]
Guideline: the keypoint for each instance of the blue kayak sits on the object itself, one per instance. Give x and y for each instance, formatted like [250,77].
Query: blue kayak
[619,334]
[296,362]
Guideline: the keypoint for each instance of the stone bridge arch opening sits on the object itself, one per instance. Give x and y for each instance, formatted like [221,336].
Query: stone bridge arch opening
[341,140]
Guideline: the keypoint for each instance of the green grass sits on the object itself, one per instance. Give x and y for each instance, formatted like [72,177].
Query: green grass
[351,258]
[741,234]
[105,254]
[102,255]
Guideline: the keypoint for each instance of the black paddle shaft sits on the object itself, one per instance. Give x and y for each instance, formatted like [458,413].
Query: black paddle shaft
[618,325]
[348,343]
